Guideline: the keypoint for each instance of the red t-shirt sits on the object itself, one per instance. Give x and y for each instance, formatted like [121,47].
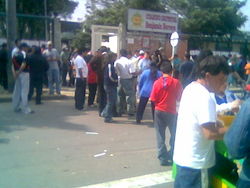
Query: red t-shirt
[92,76]
[166,91]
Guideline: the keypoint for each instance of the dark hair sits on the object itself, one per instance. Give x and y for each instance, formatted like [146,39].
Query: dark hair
[123,52]
[37,50]
[157,52]
[110,57]
[136,51]
[81,50]
[166,67]
[24,45]
[203,54]
[187,56]
[17,41]
[103,49]
[213,65]
[4,45]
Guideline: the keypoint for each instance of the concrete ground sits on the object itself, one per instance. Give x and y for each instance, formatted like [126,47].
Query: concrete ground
[60,147]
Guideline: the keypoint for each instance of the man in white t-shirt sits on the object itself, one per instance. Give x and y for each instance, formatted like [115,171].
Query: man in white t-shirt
[81,69]
[126,92]
[197,127]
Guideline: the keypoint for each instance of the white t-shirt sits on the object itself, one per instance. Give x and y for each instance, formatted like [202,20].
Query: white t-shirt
[122,67]
[80,64]
[14,51]
[192,149]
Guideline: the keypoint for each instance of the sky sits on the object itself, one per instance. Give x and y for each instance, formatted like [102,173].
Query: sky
[80,12]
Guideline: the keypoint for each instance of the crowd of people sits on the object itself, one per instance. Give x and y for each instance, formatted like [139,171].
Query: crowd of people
[186,96]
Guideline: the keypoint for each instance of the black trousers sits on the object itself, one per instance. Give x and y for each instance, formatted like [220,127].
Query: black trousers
[102,98]
[36,83]
[64,75]
[4,78]
[80,93]
[71,78]
[141,108]
[92,93]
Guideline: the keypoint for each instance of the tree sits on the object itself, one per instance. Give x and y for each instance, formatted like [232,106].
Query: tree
[211,17]
[33,27]
[82,39]
[112,13]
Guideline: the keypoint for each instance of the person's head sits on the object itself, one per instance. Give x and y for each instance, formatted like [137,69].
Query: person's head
[213,70]
[136,52]
[166,67]
[141,52]
[203,54]
[43,46]
[147,55]
[129,54]
[82,51]
[49,45]
[187,56]
[24,47]
[123,53]
[110,57]
[103,49]
[157,52]
[37,50]
[4,45]
[17,42]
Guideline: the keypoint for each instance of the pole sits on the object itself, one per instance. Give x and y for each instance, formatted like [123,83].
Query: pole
[46,21]
[11,21]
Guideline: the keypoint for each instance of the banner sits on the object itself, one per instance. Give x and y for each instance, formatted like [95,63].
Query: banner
[140,20]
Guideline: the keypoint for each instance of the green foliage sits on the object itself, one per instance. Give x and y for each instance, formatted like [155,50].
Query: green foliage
[113,12]
[29,27]
[82,40]
[209,16]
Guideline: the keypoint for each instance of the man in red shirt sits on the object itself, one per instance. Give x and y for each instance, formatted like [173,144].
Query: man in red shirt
[165,94]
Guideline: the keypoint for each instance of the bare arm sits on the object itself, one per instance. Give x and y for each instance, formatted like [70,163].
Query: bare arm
[16,73]
[213,131]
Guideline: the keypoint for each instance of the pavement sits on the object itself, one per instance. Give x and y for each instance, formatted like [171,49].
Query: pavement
[60,147]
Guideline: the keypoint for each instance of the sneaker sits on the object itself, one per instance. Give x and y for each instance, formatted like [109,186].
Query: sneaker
[30,112]
[17,110]
[166,163]
[138,121]
[108,121]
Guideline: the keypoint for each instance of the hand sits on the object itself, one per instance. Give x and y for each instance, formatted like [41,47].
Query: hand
[15,75]
[220,123]
[236,105]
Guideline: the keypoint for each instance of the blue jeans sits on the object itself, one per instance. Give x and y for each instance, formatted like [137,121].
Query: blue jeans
[126,89]
[54,78]
[161,122]
[111,92]
[141,108]
[191,178]
[20,93]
